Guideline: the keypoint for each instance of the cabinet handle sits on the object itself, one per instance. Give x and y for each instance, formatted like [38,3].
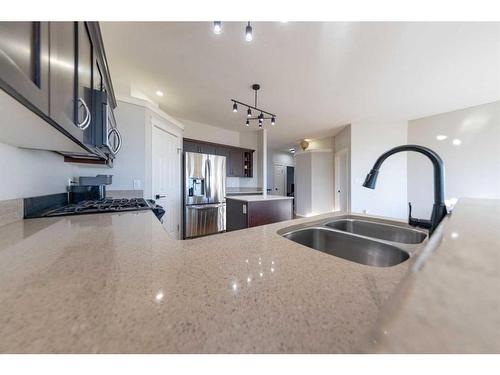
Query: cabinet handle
[88,117]
[118,136]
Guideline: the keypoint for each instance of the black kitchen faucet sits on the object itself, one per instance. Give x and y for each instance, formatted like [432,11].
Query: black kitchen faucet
[439,208]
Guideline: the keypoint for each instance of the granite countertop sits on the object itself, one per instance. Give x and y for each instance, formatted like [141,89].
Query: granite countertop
[117,283]
[256,198]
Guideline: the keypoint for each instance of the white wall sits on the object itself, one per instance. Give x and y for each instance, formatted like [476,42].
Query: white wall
[368,141]
[210,133]
[342,141]
[472,169]
[314,182]
[303,176]
[28,173]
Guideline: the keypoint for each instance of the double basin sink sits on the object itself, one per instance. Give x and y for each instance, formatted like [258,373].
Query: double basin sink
[362,240]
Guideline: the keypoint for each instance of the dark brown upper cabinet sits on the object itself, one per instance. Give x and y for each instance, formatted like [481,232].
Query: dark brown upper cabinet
[238,160]
[63,68]
[53,68]
[24,66]
[85,82]
[236,157]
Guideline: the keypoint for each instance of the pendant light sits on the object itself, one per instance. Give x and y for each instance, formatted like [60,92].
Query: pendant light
[235,107]
[217,27]
[248,33]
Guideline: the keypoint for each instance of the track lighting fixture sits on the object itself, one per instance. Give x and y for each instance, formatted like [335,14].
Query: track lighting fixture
[217,27]
[264,115]
[248,33]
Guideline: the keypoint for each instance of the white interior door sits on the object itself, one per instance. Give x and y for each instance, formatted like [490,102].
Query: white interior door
[166,177]
[341,181]
[279,179]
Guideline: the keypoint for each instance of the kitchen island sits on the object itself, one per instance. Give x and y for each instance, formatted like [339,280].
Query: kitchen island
[117,283]
[247,211]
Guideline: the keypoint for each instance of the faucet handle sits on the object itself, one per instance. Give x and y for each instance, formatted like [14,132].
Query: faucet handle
[411,221]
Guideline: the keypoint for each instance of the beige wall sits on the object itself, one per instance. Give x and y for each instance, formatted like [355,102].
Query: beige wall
[472,168]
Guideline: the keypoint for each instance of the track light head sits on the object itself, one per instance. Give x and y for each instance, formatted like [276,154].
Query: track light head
[248,33]
[235,107]
[260,124]
[249,112]
[217,27]
[273,120]
[247,123]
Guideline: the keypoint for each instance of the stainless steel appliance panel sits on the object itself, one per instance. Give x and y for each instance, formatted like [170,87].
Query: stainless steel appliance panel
[204,219]
[195,182]
[216,178]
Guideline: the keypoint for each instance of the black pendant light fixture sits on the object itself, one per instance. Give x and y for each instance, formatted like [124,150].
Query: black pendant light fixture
[264,115]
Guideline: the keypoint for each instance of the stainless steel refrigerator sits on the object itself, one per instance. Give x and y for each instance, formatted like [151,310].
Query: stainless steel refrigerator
[204,194]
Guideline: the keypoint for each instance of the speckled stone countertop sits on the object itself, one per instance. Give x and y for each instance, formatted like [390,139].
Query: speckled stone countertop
[116,283]
[450,303]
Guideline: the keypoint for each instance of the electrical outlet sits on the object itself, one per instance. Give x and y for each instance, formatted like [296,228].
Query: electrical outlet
[137,185]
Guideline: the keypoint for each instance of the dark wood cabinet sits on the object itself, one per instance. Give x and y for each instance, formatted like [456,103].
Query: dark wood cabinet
[63,68]
[239,161]
[24,66]
[206,148]
[237,168]
[241,214]
[190,146]
[53,68]
[85,82]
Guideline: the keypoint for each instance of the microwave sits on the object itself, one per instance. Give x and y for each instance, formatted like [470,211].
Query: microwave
[106,135]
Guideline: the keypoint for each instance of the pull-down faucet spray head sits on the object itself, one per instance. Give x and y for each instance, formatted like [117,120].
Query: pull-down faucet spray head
[371,179]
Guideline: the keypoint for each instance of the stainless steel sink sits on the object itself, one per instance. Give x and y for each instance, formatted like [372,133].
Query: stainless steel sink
[381,231]
[353,248]
[365,240]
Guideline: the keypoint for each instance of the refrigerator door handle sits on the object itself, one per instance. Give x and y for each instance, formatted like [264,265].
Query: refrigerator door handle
[208,189]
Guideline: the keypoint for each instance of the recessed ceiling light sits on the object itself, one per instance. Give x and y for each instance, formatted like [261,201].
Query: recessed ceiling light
[159,93]
[441,137]
[457,142]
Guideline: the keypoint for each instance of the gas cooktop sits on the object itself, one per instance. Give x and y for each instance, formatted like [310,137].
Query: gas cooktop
[101,206]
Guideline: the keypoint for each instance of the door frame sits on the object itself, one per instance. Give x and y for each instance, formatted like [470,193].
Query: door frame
[337,156]
[284,176]
[172,129]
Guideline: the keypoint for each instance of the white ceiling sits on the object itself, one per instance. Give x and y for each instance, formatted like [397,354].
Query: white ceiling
[316,76]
